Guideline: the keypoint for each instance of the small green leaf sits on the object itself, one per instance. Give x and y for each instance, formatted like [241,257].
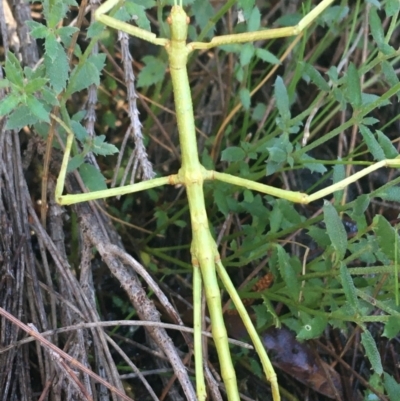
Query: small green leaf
[246,54]
[13,70]
[203,12]
[79,131]
[38,31]
[377,32]
[9,103]
[387,146]
[37,109]
[313,329]
[339,174]
[261,315]
[138,12]
[75,162]
[56,62]
[34,85]
[102,148]
[92,177]
[348,287]
[372,352]
[245,98]
[152,73]
[233,154]
[392,327]
[82,78]
[20,118]
[254,20]
[316,78]
[288,274]
[386,236]
[335,230]
[372,143]
[353,87]
[282,99]
[391,386]
[267,56]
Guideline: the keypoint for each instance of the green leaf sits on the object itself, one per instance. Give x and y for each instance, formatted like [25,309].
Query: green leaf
[38,31]
[282,99]
[203,12]
[233,154]
[152,73]
[391,386]
[267,56]
[138,13]
[20,118]
[246,54]
[66,32]
[353,87]
[372,351]
[335,230]
[102,148]
[288,274]
[75,162]
[56,62]
[390,75]
[377,32]
[348,287]
[254,20]
[82,78]
[339,173]
[372,143]
[245,98]
[392,7]
[37,109]
[36,84]
[387,146]
[9,103]
[386,235]
[92,177]
[392,327]
[79,131]
[313,329]
[311,73]
[13,70]
[261,315]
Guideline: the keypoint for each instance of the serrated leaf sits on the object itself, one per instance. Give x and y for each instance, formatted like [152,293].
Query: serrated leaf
[392,7]
[20,118]
[276,217]
[372,352]
[254,20]
[247,6]
[82,78]
[353,87]
[306,161]
[288,274]
[66,32]
[335,230]
[152,72]
[392,327]
[75,162]
[348,287]
[245,98]
[339,174]
[37,109]
[95,29]
[34,85]
[267,56]
[92,177]
[102,148]
[282,99]
[312,329]
[203,12]
[390,74]
[13,70]
[391,386]
[79,131]
[386,235]
[9,103]
[138,13]
[387,146]
[316,77]
[233,154]
[378,33]
[37,30]
[246,54]
[56,63]
[372,143]
[49,96]
[261,315]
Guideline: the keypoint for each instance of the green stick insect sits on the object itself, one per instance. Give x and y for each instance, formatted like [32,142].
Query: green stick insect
[192,175]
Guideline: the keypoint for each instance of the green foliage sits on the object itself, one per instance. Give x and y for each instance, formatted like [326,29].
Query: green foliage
[262,141]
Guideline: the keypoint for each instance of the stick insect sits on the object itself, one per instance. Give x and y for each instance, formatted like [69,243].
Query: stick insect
[192,175]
